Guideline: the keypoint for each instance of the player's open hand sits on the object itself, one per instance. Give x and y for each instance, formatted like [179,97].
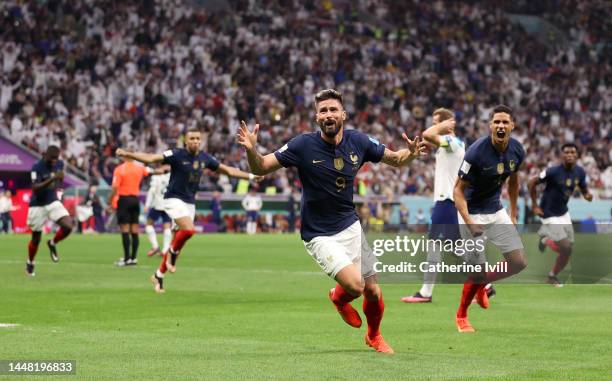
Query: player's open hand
[417,146]
[246,138]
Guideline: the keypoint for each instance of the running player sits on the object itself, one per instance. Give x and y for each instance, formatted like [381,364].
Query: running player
[154,206]
[47,177]
[487,164]
[186,167]
[561,181]
[327,162]
[444,220]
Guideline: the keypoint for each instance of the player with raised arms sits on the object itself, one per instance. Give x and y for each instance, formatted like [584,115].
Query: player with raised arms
[186,167]
[327,163]
[561,181]
[487,164]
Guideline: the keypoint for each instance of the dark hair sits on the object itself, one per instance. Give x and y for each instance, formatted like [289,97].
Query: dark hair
[444,113]
[326,94]
[53,151]
[569,145]
[192,129]
[504,109]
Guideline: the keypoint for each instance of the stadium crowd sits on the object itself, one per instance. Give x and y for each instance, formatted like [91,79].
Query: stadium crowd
[91,76]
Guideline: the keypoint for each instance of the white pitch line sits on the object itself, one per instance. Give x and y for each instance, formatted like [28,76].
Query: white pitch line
[8,325]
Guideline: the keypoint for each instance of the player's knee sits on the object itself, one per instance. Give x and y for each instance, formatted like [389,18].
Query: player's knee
[188,233]
[355,288]
[36,238]
[371,291]
[519,264]
[565,247]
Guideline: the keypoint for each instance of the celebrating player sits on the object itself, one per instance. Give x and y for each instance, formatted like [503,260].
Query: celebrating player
[444,220]
[327,162]
[154,205]
[487,164]
[47,177]
[186,167]
[561,181]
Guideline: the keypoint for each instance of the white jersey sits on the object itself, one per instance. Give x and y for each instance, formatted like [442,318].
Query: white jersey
[157,188]
[252,203]
[448,160]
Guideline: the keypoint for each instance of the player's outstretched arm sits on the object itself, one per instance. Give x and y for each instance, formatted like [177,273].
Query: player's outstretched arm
[532,186]
[235,172]
[260,165]
[403,157]
[513,193]
[147,158]
[434,133]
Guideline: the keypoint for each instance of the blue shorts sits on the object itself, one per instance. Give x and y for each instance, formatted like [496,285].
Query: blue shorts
[155,214]
[251,216]
[444,221]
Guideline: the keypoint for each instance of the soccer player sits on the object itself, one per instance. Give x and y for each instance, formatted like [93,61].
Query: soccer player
[327,163]
[252,205]
[154,205]
[127,178]
[47,177]
[486,166]
[561,181]
[186,167]
[444,223]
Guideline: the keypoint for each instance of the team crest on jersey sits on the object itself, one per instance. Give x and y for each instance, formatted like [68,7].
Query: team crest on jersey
[500,168]
[196,164]
[512,165]
[338,163]
[354,158]
[568,182]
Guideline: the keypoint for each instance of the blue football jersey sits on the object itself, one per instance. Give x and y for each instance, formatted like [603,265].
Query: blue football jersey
[41,171]
[327,173]
[186,170]
[561,183]
[487,169]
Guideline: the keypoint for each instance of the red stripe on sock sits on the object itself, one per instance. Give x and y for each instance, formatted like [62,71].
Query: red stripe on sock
[374,310]
[553,245]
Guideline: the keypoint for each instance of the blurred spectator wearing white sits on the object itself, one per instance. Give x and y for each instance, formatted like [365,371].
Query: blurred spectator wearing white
[252,204]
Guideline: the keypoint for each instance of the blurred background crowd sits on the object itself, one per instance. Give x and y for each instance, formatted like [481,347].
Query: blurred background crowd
[91,76]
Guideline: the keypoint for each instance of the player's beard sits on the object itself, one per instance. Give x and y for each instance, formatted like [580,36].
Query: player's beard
[330,130]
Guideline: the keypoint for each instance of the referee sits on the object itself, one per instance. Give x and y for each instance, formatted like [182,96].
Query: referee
[127,178]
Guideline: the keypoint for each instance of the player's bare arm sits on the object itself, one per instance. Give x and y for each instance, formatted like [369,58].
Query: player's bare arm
[513,193]
[403,157]
[461,205]
[434,133]
[237,173]
[260,165]
[161,170]
[532,186]
[147,158]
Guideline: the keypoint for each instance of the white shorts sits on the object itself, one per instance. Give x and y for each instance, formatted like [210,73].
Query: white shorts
[177,208]
[557,228]
[498,229]
[333,253]
[38,215]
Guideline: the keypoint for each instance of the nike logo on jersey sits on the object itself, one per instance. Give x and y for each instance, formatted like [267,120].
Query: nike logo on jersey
[317,161]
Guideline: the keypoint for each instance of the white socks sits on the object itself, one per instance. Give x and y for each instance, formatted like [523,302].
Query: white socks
[150,230]
[167,240]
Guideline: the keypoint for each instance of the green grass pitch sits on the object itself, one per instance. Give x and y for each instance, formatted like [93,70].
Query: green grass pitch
[243,307]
